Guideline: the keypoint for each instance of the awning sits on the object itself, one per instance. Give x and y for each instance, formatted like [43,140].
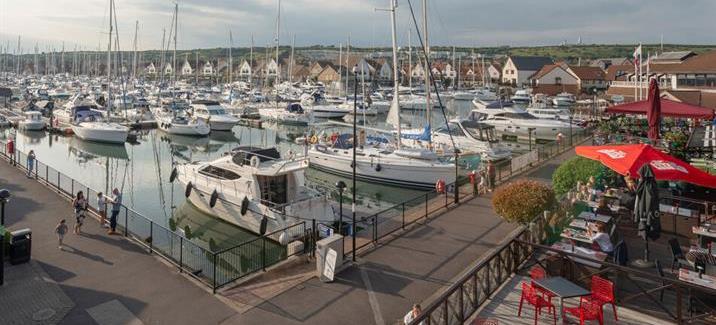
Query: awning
[669,108]
[629,158]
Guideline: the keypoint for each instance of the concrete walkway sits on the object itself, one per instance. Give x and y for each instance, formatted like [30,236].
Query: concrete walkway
[110,280]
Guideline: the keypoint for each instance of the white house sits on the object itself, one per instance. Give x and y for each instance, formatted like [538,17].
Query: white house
[271,69]
[449,72]
[186,69]
[495,72]
[518,69]
[386,71]
[208,69]
[168,69]
[150,69]
[418,72]
[365,70]
[245,70]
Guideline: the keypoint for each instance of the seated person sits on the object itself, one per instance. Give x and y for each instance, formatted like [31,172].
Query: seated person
[603,208]
[601,239]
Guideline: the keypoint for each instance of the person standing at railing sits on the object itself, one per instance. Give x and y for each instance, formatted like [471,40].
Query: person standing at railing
[10,147]
[102,209]
[116,201]
[30,162]
[413,314]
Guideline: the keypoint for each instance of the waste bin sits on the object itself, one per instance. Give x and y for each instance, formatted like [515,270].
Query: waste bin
[20,246]
[329,257]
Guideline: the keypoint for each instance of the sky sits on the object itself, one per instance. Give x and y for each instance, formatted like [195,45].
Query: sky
[206,23]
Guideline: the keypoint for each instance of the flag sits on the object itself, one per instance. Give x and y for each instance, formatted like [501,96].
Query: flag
[637,55]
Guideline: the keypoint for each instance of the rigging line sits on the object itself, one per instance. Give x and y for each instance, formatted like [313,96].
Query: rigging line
[430,74]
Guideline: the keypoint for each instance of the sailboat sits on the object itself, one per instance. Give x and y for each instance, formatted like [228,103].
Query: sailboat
[375,162]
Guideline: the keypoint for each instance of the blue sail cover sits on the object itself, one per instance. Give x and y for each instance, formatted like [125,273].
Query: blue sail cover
[425,136]
[344,141]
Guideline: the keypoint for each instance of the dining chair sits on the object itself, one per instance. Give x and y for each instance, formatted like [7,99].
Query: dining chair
[587,310]
[602,294]
[677,254]
[538,273]
[530,294]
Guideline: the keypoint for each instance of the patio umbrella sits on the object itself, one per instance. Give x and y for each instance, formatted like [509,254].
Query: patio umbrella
[653,115]
[629,158]
[646,210]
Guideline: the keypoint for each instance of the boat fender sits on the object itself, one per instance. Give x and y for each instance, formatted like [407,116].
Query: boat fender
[214,197]
[283,238]
[187,191]
[244,205]
[254,161]
[314,139]
[378,167]
[264,223]
[352,164]
[173,175]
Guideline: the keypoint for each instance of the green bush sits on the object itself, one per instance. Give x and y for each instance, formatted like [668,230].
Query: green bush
[523,200]
[567,175]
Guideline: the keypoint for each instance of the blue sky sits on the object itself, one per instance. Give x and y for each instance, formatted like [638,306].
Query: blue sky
[206,23]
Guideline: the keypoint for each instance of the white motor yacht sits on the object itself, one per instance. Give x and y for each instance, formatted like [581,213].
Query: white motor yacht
[33,121]
[521,96]
[88,125]
[251,186]
[319,107]
[564,99]
[293,114]
[212,111]
[550,113]
[175,120]
[516,122]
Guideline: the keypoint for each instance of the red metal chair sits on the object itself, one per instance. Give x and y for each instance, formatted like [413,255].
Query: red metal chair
[537,273]
[602,294]
[533,298]
[588,310]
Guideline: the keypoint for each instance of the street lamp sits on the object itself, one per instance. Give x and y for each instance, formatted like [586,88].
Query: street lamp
[571,113]
[355,143]
[341,186]
[529,134]
[4,198]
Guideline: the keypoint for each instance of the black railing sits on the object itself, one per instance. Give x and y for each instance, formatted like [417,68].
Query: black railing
[212,268]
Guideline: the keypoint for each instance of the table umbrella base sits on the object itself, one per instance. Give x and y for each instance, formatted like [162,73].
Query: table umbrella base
[643,264]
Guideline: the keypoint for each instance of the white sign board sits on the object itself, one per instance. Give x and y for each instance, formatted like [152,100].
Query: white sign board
[330,264]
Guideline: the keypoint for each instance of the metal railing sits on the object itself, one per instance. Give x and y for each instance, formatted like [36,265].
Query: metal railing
[212,268]
[374,227]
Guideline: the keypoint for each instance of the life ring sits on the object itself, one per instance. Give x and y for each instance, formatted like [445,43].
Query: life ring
[214,197]
[187,191]
[173,175]
[440,186]
[314,139]
[254,161]
[378,168]
[244,205]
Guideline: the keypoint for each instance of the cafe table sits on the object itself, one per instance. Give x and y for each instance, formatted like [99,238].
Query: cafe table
[705,280]
[561,288]
[591,216]
[592,257]
[704,231]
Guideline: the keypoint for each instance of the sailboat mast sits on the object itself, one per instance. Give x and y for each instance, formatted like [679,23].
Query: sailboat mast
[176,30]
[231,58]
[109,58]
[134,63]
[410,64]
[396,84]
[340,67]
[278,41]
[290,63]
[251,59]
[428,105]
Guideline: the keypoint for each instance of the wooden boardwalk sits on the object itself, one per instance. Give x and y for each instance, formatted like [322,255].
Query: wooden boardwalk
[504,304]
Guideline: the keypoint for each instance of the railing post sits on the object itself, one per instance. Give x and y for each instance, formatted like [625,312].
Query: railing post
[72,188]
[47,173]
[37,163]
[375,229]
[58,183]
[263,253]
[213,286]
[426,205]
[151,238]
[679,312]
[126,222]
[461,310]
[181,253]
[446,317]
[403,226]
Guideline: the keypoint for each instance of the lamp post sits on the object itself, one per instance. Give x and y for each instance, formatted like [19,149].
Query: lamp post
[355,143]
[457,167]
[4,198]
[529,134]
[570,127]
[341,186]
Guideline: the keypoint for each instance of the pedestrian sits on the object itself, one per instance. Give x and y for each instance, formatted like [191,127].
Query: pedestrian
[11,150]
[482,188]
[491,175]
[102,209]
[79,205]
[116,201]
[30,162]
[61,230]
[413,314]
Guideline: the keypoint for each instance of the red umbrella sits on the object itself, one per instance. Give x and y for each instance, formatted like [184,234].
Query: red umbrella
[629,158]
[653,115]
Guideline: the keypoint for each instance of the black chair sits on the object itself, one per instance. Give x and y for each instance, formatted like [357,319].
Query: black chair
[620,255]
[678,255]
[660,271]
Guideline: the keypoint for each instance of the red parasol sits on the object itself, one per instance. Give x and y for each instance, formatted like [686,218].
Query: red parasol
[668,107]
[629,158]
[653,115]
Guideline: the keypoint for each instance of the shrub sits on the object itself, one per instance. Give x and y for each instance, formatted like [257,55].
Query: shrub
[522,200]
[567,175]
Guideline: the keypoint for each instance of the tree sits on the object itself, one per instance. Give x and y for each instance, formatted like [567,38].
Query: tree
[521,201]
[577,169]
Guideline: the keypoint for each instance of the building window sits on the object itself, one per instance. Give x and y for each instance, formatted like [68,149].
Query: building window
[558,80]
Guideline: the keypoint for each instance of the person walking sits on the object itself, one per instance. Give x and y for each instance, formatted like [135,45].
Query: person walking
[30,162]
[116,207]
[61,230]
[79,205]
[491,175]
[482,187]
[10,146]
[102,209]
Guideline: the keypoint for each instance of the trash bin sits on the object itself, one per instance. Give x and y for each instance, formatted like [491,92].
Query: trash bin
[20,246]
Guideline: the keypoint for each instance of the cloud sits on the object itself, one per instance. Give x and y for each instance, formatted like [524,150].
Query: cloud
[206,23]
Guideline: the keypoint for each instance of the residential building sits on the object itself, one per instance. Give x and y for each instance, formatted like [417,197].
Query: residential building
[208,69]
[495,72]
[150,69]
[553,79]
[518,69]
[328,75]
[168,70]
[245,70]
[590,78]
[186,69]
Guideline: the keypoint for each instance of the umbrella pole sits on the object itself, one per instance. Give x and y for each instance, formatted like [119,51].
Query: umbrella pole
[644,262]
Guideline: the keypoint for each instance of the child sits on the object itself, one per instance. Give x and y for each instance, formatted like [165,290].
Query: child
[61,230]
[482,188]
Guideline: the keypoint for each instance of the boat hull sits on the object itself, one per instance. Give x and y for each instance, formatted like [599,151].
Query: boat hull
[105,136]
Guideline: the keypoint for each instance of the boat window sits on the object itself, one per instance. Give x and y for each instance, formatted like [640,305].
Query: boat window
[220,173]
[273,189]
[521,116]
[217,111]
[454,130]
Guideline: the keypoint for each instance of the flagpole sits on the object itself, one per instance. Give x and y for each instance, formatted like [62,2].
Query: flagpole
[641,79]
